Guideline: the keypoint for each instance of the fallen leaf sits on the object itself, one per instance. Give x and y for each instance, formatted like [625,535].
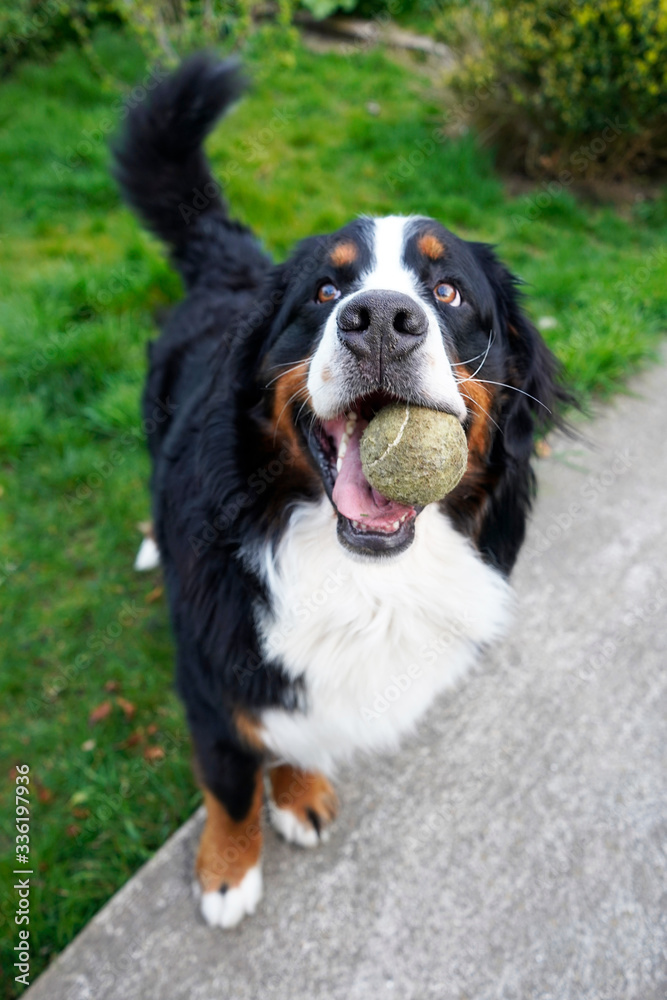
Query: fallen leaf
[100,712]
[43,794]
[80,813]
[73,830]
[154,595]
[111,686]
[542,448]
[152,729]
[154,753]
[127,707]
[132,740]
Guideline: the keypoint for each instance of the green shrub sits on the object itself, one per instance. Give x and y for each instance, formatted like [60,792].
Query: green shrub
[166,29]
[31,29]
[552,75]
[372,8]
[325,8]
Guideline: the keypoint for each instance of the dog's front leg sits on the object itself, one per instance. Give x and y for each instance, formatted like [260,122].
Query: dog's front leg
[228,865]
[302,804]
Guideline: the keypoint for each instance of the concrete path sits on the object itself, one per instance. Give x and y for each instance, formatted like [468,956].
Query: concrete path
[516,849]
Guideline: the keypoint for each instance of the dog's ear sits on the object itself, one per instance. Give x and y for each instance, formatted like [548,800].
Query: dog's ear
[531,402]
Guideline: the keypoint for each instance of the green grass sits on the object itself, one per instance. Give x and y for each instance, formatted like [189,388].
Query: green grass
[79,283]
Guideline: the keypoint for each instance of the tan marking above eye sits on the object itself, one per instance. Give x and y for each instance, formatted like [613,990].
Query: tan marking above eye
[344,254]
[430,246]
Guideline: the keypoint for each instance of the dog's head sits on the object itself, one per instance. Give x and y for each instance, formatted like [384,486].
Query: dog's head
[402,309]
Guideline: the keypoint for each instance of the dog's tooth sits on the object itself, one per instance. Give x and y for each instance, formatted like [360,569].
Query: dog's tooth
[349,428]
[352,417]
[356,524]
[339,464]
[342,448]
[396,525]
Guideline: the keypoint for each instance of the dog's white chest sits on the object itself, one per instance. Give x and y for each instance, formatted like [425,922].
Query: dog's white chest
[375,641]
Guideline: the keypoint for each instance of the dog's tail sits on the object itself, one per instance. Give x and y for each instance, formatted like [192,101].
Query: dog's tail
[162,170]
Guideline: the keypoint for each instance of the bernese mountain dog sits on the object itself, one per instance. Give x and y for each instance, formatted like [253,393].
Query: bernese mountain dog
[313,616]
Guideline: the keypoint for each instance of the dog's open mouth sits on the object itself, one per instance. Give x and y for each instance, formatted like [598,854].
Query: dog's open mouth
[368,522]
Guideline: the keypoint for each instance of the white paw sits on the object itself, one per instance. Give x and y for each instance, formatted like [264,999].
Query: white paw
[148,556]
[227,909]
[294,830]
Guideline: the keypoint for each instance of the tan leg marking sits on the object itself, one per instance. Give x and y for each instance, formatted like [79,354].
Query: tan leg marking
[228,849]
[303,804]
[248,729]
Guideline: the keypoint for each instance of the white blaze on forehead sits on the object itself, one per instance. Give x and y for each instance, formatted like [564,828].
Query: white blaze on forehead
[433,375]
[388,270]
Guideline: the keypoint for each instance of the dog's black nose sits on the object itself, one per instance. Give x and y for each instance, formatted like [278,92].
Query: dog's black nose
[382,323]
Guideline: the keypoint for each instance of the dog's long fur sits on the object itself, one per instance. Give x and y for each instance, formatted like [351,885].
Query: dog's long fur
[302,633]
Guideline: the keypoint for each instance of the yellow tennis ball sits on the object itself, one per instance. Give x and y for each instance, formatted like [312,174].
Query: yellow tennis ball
[412,454]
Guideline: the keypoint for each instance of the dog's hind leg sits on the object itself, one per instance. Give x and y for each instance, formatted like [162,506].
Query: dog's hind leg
[148,556]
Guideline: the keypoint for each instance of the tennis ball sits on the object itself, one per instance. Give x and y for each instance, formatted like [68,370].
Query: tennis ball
[412,454]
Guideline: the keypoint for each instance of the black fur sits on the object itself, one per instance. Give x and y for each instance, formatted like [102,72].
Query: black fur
[534,404]
[222,482]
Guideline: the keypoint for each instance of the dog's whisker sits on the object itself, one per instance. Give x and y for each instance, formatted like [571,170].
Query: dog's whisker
[287,364]
[483,361]
[288,372]
[504,385]
[300,411]
[469,360]
[485,412]
[290,400]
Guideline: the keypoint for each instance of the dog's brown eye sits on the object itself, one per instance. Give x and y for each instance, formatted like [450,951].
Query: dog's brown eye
[327,292]
[446,293]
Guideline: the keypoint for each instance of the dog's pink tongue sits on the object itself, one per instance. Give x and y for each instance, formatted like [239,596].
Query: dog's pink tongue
[355,498]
